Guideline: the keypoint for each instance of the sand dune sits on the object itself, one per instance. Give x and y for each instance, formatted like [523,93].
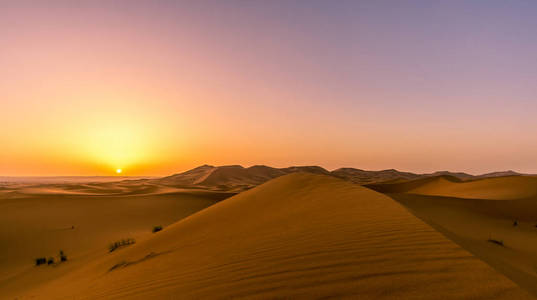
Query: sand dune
[497,188]
[408,186]
[67,179]
[238,178]
[366,177]
[187,178]
[391,176]
[233,178]
[37,221]
[472,213]
[298,236]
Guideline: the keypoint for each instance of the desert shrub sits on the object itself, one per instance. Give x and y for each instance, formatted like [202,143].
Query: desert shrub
[157,228]
[497,242]
[40,261]
[63,257]
[50,261]
[121,243]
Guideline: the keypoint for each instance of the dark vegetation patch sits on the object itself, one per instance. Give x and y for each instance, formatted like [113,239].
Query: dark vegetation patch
[51,261]
[40,261]
[120,243]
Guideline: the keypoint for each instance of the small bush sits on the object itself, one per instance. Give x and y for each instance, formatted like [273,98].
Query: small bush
[40,261]
[497,242]
[157,228]
[121,243]
[63,257]
[50,261]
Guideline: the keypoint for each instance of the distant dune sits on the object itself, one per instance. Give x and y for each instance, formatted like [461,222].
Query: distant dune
[297,236]
[231,178]
[494,188]
[235,178]
[364,177]
[408,186]
[67,179]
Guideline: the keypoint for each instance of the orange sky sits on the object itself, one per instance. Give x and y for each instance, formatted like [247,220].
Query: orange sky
[157,88]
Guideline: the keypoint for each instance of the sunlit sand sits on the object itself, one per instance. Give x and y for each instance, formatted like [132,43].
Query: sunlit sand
[262,232]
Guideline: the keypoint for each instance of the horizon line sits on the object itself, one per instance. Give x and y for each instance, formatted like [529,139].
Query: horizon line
[227,165]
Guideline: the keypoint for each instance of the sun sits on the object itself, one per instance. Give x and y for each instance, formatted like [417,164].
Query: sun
[118,171]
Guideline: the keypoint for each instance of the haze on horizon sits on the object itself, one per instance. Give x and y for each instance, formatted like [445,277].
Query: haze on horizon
[157,87]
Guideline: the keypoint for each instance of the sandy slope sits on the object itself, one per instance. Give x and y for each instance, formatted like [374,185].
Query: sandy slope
[37,220]
[300,236]
[471,213]
[499,188]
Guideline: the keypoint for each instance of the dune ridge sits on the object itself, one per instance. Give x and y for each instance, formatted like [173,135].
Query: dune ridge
[231,178]
[236,178]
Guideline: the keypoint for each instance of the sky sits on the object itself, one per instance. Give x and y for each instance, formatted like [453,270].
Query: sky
[158,87]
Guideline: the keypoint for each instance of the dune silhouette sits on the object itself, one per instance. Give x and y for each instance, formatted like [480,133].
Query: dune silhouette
[236,178]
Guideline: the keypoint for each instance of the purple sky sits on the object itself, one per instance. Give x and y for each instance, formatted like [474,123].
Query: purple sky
[155,87]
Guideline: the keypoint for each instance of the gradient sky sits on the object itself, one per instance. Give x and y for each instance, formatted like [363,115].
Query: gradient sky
[157,87]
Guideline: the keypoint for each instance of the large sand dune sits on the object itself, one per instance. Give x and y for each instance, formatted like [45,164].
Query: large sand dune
[38,220]
[472,213]
[298,236]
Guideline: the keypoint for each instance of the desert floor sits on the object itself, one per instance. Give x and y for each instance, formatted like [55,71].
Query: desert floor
[300,235]
[82,220]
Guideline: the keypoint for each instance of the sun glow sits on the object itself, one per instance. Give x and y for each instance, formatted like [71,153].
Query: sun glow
[116,143]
